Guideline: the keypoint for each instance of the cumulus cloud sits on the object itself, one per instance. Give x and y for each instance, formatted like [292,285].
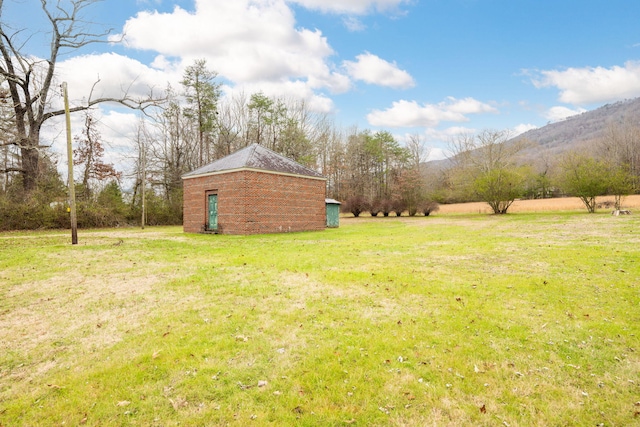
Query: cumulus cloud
[106,75]
[290,90]
[411,114]
[375,70]
[438,153]
[580,86]
[112,75]
[350,6]
[522,128]
[118,130]
[558,113]
[448,133]
[254,45]
[243,40]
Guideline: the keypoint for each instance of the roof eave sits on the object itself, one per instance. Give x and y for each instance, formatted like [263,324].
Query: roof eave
[200,175]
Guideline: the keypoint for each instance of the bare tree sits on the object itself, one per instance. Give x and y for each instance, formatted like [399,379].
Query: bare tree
[485,165]
[174,151]
[330,150]
[8,152]
[301,132]
[89,152]
[621,145]
[418,150]
[540,183]
[230,126]
[30,80]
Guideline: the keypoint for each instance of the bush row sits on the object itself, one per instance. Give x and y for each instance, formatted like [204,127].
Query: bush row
[359,204]
[108,209]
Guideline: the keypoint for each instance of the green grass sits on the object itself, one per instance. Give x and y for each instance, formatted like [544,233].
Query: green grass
[519,320]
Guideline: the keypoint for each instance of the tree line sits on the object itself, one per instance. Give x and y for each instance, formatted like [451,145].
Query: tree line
[497,169]
[192,125]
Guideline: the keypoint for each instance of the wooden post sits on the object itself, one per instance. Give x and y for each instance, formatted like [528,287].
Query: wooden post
[72,185]
[144,179]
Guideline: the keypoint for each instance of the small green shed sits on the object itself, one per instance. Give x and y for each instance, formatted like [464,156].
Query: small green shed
[333,213]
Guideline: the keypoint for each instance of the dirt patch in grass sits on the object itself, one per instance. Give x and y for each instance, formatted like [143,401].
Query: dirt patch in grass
[45,320]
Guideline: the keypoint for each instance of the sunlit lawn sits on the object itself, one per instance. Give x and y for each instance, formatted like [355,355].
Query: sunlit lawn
[518,320]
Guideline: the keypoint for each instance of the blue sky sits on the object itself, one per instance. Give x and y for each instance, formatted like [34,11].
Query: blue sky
[436,68]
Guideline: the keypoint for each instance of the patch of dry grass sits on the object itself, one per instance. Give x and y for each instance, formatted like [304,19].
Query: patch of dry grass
[520,320]
[538,205]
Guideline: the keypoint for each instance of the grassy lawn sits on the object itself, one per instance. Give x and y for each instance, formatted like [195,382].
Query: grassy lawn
[518,320]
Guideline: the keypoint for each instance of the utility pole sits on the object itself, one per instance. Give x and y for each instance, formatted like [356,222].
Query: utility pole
[72,185]
[144,180]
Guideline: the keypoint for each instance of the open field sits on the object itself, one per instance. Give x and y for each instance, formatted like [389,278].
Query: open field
[528,319]
[540,205]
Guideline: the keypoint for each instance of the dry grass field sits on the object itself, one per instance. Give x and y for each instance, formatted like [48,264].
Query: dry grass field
[540,205]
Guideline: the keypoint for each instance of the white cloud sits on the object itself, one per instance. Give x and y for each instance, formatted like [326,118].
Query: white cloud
[243,40]
[558,113]
[117,130]
[290,90]
[249,43]
[468,106]
[522,128]
[107,75]
[579,86]
[437,141]
[351,6]
[111,75]
[353,24]
[440,140]
[438,153]
[445,135]
[374,70]
[411,114]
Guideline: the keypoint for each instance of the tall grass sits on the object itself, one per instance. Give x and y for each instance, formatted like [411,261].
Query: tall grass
[519,320]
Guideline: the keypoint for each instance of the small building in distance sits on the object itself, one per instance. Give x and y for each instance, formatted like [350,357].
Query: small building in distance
[253,191]
[333,213]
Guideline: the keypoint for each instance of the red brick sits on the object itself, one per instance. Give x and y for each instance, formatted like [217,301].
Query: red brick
[252,202]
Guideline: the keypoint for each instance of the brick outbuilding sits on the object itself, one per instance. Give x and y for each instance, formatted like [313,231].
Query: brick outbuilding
[251,191]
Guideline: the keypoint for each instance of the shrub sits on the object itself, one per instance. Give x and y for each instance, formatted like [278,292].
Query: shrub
[386,206]
[32,215]
[429,206]
[356,205]
[40,209]
[398,206]
[376,207]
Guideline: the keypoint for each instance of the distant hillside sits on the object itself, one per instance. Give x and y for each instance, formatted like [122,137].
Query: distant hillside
[574,131]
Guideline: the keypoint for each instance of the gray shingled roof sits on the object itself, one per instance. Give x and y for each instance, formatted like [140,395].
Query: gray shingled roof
[255,157]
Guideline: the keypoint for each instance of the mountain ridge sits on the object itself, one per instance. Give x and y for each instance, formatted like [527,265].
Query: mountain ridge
[574,132]
[579,130]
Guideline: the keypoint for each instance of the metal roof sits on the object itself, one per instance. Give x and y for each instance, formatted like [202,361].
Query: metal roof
[255,157]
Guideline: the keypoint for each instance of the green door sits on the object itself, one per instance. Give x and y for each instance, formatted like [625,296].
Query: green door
[333,215]
[213,212]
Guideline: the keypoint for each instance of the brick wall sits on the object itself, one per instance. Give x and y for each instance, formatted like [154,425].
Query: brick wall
[251,202]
